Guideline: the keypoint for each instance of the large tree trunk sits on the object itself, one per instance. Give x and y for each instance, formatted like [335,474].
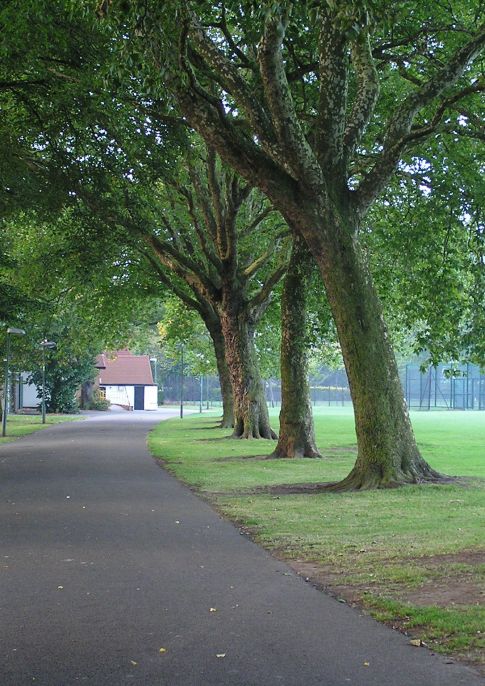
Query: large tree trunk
[215,332]
[87,395]
[296,437]
[251,418]
[387,450]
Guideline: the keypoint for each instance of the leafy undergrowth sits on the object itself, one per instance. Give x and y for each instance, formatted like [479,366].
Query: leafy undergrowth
[414,556]
[21,425]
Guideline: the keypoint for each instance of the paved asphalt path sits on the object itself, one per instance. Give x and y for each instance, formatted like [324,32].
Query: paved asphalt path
[105,559]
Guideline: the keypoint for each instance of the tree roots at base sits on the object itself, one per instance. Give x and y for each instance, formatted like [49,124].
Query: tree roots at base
[356,481]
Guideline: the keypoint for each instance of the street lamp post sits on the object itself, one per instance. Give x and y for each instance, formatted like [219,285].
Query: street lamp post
[17,332]
[201,392]
[182,381]
[45,344]
[155,375]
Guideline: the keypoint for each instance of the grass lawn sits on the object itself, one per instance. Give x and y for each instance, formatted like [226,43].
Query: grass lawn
[21,425]
[414,556]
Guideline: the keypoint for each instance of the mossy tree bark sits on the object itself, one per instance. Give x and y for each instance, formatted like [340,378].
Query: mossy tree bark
[296,435]
[251,419]
[387,450]
[87,394]
[215,331]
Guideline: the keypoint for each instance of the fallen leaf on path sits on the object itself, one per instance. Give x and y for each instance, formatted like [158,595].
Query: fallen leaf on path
[212,609]
[221,655]
[417,642]
[366,664]
[133,663]
[163,650]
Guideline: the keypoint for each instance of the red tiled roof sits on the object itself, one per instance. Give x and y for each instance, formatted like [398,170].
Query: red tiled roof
[125,369]
[100,361]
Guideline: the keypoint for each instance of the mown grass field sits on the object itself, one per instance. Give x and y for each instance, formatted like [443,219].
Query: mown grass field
[21,425]
[414,556]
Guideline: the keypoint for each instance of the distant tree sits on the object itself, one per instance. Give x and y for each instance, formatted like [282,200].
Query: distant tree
[65,372]
[196,225]
[84,305]
[181,326]
[426,239]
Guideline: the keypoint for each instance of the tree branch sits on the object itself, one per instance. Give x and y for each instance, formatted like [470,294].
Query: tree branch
[230,80]
[207,246]
[249,228]
[260,301]
[214,188]
[234,142]
[379,51]
[332,106]
[399,130]
[278,95]
[424,131]
[259,262]
[175,288]
[232,44]
[23,83]
[180,263]
[368,92]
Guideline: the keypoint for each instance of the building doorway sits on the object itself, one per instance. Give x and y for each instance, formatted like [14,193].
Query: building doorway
[139,398]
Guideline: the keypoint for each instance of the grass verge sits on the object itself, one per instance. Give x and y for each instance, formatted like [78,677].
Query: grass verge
[21,425]
[413,557]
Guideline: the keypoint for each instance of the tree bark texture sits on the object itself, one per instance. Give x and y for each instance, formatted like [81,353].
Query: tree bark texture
[251,418]
[387,450]
[87,395]
[215,332]
[297,436]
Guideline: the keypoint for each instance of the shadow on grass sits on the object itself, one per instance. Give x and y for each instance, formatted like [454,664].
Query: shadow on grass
[209,427]
[246,458]
[333,487]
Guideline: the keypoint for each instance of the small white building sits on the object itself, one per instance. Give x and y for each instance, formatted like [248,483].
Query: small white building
[126,379]
[27,396]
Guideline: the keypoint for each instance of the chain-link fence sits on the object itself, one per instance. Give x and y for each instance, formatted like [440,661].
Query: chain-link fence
[442,387]
[448,387]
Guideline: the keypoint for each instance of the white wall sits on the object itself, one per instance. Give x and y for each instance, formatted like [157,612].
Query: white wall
[120,395]
[151,398]
[125,395]
[29,393]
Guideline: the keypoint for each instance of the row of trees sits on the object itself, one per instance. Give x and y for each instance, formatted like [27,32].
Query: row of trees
[238,148]
[53,293]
